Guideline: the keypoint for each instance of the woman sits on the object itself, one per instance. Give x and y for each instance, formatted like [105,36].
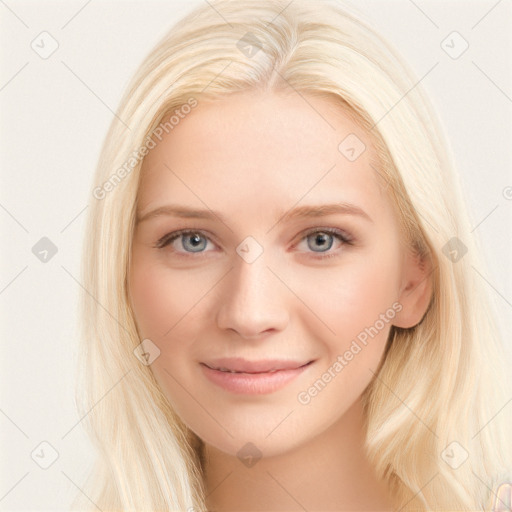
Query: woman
[230,362]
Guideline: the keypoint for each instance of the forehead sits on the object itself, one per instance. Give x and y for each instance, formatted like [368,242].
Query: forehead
[255,147]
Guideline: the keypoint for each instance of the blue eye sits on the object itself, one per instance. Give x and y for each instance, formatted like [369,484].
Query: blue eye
[325,241]
[191,241]
[319,241]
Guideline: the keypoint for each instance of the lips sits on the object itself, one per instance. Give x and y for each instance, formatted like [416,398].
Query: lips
[242,377]
[240,365]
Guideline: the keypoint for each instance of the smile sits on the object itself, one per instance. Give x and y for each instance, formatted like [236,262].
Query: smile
[242,377]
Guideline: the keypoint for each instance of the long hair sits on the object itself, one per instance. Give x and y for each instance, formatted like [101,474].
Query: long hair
[439,390]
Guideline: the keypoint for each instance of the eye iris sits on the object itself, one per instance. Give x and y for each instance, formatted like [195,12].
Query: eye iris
[321,238]
[198,242]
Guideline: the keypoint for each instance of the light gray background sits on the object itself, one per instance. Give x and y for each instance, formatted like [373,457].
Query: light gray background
[54,116]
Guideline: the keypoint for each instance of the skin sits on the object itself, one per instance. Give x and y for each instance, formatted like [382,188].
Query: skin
[251,157]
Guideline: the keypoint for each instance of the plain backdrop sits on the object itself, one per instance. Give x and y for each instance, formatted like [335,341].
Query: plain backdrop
[55,112]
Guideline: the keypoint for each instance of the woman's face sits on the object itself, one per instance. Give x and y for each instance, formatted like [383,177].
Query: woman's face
[268,275]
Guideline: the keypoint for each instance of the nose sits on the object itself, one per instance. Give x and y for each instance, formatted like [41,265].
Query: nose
[253,302]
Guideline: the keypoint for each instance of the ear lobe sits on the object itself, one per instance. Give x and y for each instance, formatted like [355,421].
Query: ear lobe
[415,292]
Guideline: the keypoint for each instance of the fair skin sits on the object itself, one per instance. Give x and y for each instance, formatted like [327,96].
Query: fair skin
[250,158]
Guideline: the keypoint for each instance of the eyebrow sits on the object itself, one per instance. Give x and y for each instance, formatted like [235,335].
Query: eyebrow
[307,211]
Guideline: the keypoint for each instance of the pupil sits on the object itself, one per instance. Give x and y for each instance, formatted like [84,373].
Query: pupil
[322,240]
[194,241]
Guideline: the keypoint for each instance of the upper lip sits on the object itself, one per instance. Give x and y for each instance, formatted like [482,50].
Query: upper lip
[238,364]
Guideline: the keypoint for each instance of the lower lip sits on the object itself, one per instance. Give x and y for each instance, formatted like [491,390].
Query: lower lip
[252,383]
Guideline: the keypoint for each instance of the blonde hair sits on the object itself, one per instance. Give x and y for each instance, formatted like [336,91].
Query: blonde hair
[440,382]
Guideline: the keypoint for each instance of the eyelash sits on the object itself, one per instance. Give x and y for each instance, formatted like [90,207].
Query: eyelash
[345,238]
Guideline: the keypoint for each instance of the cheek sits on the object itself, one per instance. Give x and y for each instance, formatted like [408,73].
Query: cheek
[356,303]
[163,299]
[153,302]
[352,296]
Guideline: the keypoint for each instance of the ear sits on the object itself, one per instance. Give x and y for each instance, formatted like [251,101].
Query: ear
[415,290]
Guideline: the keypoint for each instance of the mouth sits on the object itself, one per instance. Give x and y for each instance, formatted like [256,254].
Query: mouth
[253,377]
[239,365]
